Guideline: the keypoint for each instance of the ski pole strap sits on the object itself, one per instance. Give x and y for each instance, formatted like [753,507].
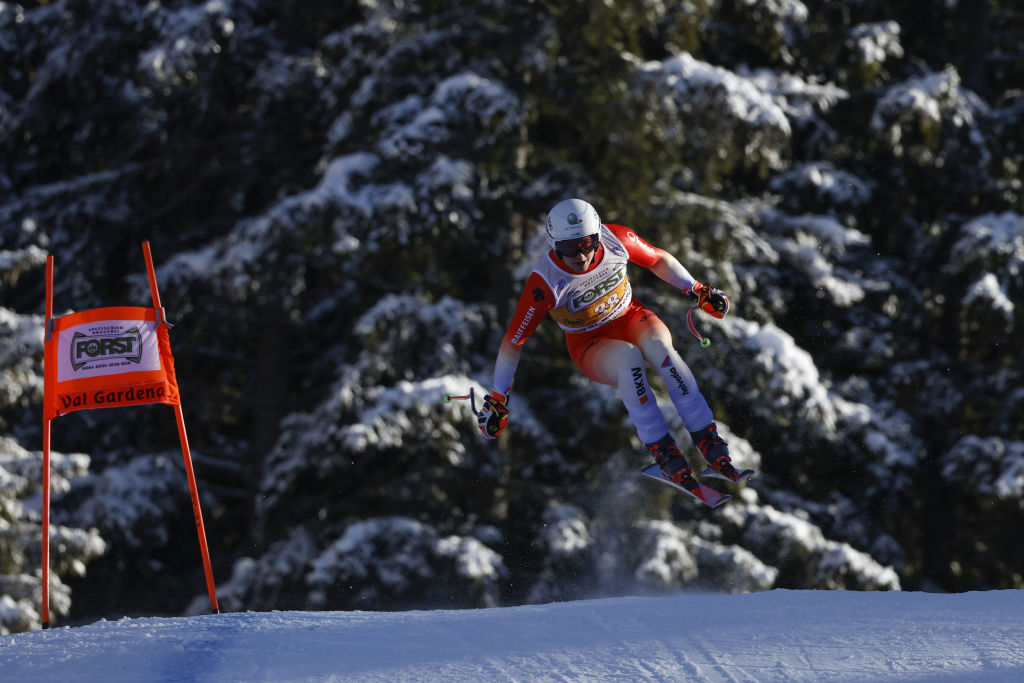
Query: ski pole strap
[704,341]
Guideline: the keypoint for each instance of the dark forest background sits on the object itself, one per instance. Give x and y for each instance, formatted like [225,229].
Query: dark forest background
[343,199]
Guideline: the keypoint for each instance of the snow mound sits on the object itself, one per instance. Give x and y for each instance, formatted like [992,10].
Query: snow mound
[773,636]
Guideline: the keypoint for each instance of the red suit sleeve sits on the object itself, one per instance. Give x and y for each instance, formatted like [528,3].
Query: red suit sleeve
[534,303]
[640,252]
[659,261]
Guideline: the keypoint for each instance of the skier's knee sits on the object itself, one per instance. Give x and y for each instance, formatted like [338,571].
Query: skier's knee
[657,349]
[622,356]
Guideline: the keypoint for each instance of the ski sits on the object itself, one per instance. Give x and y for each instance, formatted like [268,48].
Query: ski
[704,494]
[736,477]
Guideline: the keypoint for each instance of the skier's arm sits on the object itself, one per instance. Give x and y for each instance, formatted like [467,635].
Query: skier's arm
[712,301]
[658,261]
[505,366]
[669,269]
[534,303]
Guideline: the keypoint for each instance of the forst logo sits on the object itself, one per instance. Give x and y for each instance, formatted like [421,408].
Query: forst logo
[600,289]
[103,347]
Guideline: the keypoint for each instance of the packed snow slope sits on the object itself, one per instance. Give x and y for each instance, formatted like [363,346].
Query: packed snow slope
[773,636]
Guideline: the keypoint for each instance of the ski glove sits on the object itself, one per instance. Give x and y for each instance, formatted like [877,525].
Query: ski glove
[493,416]
[712,301]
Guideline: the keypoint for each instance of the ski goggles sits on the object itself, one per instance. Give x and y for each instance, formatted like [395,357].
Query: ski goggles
[580,245]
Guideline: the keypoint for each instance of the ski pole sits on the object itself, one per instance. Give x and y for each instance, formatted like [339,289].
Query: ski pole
[448,398]
[704,341]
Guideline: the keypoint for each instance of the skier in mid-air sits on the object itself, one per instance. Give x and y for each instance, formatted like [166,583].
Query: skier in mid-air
[582,283]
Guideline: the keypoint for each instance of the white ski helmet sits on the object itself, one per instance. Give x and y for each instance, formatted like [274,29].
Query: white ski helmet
[571,219]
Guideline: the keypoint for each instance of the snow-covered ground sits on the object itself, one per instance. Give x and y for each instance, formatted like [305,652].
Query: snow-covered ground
[773,636]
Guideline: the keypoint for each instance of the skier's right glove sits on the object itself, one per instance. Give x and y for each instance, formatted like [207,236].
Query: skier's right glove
[712,301]
[493,417]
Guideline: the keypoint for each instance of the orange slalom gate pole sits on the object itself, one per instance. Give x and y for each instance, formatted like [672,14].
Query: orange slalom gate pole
[45,614]
[197,511]
[45,604]
[186,454]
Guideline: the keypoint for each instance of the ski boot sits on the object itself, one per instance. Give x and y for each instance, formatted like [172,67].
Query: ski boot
[673,464]
[715,451]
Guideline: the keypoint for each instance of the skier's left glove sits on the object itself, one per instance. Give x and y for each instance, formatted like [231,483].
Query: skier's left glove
[712,301]
[493,416]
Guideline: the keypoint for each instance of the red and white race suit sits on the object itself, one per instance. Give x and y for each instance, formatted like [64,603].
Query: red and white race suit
[610,336]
